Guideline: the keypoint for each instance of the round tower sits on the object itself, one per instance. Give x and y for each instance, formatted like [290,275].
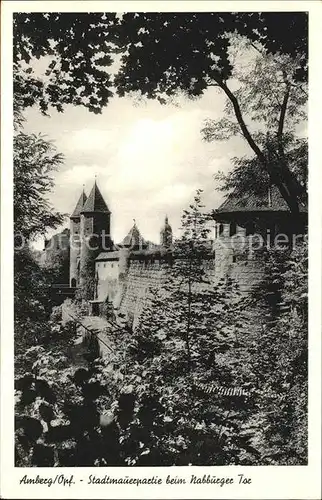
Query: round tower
[166,234]
[75,241]
[124,255]
[95,224]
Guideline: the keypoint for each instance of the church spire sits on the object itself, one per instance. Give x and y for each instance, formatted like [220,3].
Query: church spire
[166,234]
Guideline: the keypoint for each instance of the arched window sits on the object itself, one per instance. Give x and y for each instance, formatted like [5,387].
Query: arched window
[232,228]
[73,283]
[220,229]
[234,258]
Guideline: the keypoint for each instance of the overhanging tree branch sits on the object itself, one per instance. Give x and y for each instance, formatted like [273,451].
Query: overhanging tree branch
[243,125]
[282,117]
[279,174]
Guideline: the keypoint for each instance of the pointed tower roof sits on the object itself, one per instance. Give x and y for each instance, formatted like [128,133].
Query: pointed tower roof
[79,205]
[270,201]
[166,234]
[133,238]
[95,202]
[166,226]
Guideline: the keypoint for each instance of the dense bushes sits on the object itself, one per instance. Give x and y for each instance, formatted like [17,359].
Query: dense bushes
[152,401]
[281,362]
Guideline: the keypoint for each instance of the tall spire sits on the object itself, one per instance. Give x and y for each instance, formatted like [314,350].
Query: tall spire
[166,234]
[79,205]
[95,202]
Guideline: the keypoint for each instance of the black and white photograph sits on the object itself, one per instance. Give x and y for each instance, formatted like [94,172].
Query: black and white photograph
[160,218]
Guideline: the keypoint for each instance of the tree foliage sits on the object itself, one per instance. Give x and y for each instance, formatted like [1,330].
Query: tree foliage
[204,53]
[143,405]
[55,257]
[199,47]
[33,298]
[155,399]
[186,49]
[35,160]
[248,176]
[75,50]
[159,54]
[273,103]
[280,360]
[267,89]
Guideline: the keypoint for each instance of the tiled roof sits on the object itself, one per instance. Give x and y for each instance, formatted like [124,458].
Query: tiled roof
[133,238]
[108,256]
[273,202]
[95,202]
[79,206]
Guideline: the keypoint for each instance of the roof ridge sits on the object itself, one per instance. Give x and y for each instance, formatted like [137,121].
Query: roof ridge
[95,202]
[237,201]
[79,205]
[128,238]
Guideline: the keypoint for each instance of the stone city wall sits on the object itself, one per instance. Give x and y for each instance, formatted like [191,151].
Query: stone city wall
[229,261]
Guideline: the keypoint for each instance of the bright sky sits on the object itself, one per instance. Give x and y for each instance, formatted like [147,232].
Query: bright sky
[149,158]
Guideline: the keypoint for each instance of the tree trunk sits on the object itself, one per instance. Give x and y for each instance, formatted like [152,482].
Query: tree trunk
[189,319]
[280,175]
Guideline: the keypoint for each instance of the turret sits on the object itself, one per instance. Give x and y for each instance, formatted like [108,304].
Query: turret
[95,231]
[75,241]
[134,240]
[166,234]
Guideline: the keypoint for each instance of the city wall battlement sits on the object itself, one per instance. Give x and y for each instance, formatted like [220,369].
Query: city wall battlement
[128,293]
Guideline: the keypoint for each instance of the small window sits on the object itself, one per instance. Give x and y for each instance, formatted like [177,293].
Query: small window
[234,258]
[221,229]
[104,264]
[112,265]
